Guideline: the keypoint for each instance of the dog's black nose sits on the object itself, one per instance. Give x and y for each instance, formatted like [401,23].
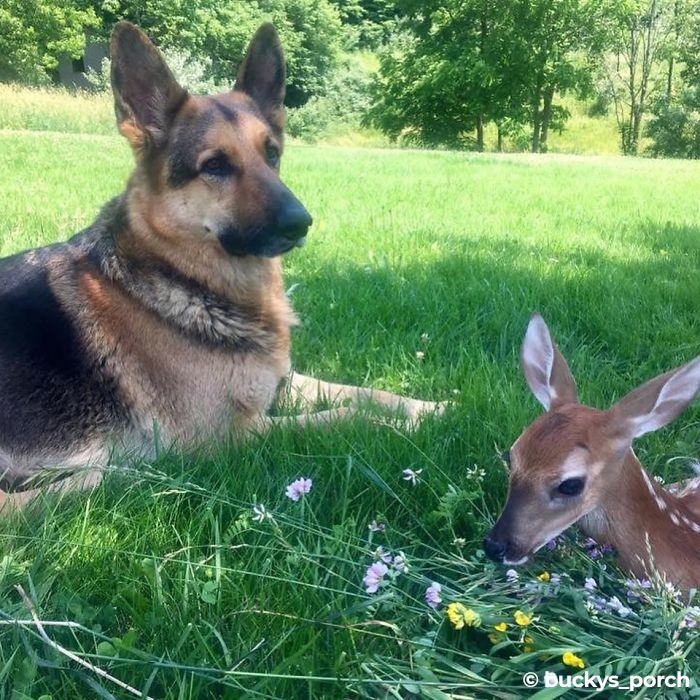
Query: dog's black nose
[494,549]
[293,221]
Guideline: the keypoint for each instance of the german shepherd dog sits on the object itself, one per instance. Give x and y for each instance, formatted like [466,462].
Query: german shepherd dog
[168,313]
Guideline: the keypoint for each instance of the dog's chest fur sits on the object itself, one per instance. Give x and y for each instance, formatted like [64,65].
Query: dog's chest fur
[186,360]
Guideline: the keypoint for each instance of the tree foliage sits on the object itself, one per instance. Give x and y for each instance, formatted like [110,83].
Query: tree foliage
[34,33]
[461,63]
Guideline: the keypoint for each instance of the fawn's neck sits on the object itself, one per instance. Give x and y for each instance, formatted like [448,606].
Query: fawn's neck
[652,530]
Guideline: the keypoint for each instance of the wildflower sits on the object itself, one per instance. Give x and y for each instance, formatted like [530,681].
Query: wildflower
[260,513]
[432,595]
[420,355]
[512,575]
[412,476]
[374,526]
[501,627]
[636,589]
[544,577]
[299,488]
[380,554]
[555,579]
[425,338]
[495,638]
[616,604]
[400,564]
[528,644]
[590,585]
[459,541]
[570,659]
[521,618]
[375,576]
[554,543]
[596,551]
[460,616]
[691,620]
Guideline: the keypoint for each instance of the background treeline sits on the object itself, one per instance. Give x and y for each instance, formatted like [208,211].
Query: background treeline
[453,73]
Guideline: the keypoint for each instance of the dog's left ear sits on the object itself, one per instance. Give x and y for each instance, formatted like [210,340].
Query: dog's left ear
[146,94]
[262,75]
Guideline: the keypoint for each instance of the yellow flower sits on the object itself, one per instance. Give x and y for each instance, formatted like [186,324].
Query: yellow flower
[460,616]
[521,618]
[544,577]
[528,644]
[570,659]
[495,638]
[501,627]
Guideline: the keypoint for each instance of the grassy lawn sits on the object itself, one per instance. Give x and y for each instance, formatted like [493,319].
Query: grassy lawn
[171,586]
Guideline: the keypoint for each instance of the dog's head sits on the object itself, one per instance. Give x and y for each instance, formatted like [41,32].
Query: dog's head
[208,167]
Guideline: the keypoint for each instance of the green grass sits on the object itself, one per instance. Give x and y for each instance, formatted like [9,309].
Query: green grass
[179,593]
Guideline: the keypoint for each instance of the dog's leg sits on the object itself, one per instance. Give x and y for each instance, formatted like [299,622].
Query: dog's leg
[80,481]
[309,391]
[317,418]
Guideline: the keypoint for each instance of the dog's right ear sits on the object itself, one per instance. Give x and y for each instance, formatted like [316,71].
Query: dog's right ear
[146,94]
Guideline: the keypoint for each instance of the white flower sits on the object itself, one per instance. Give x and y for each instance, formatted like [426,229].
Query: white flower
[412,476]
[260,513]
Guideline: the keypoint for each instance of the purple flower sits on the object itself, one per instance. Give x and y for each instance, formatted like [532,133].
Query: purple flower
[298,488]
[616,604]
[432,595]
[374,576]
[692,618]
[596,551]
[590,585]
[374,526]
[412,476]
[636,589]
[380,554]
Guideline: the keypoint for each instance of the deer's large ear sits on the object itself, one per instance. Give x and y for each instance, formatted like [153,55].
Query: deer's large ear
[545,368]
[262,75]
[658,402]
[146,94]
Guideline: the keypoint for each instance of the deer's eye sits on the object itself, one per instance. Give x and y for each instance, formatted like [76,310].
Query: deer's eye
[571,487]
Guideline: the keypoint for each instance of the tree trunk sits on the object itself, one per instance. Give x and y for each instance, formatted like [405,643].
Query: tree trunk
[536,129]
[480,133]
[546,118]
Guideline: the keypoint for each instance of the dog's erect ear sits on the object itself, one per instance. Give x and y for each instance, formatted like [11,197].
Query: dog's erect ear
[146,94]
[262,75]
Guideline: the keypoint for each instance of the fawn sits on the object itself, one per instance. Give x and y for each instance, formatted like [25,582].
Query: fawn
[575,464]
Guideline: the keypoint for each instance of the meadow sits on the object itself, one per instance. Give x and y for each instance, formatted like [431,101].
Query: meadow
[419,276]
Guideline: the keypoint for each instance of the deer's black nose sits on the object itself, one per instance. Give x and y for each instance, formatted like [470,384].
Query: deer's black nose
[494,549]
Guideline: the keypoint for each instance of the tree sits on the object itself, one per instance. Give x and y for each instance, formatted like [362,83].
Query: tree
[33,33]
[462,63]
[642,28]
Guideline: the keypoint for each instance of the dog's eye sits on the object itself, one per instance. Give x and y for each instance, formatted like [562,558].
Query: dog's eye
[571,487]
[217,166]
[272,154]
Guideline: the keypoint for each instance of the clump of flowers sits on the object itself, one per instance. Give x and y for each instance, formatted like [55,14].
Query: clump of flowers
[691,620]
[637,590]
[570,659]
[385,564]
[461,616]
[432,595]
[375,526]
[299,488]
